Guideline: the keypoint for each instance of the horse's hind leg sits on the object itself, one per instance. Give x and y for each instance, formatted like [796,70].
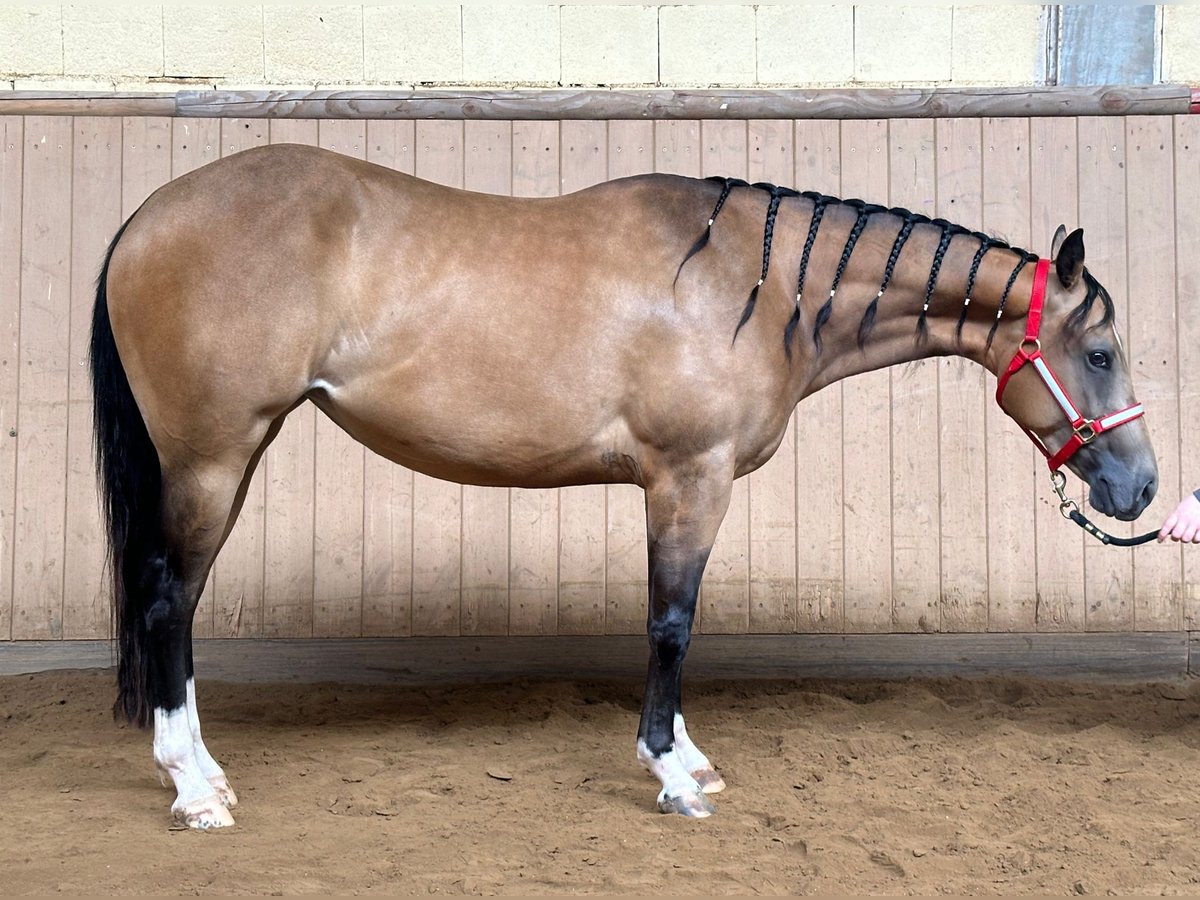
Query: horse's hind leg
[199,504]
[684,508]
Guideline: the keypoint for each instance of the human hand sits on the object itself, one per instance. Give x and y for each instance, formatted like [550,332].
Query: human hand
[1184,523]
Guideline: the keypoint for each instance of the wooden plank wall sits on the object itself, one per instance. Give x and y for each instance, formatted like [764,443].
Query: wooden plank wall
[929,511]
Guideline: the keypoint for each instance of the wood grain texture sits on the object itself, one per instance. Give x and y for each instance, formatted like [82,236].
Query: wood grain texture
[963,397]
[915,510]
[1154,348]
[1055,185]
[867,426]
[95,217]
[1187,289]
[1012,460]
[466,660]
[820,469]
[1108,571]
[12,157]
[44,358]
[772,488]
[334,544]
[661,104]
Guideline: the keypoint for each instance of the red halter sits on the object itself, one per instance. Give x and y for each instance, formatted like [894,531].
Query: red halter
[1083,431]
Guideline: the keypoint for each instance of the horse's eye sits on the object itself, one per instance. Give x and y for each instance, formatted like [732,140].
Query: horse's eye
[1099,359]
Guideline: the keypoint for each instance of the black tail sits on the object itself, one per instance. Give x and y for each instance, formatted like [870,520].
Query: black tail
[130,487]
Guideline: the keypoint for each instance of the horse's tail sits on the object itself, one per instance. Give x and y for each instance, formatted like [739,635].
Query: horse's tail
[130,489]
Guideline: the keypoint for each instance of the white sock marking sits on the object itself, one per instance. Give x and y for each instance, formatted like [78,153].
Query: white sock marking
[208,766]
[689,754]
[669,771]
[174,750]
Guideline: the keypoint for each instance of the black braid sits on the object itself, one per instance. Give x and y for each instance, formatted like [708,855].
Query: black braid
[962,316]
[868,319]
[820,202]
[702,241]
[777,194]
[943,245]
[1024,258]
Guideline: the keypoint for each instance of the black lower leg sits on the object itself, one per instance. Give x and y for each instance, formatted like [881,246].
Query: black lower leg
[169,629]
[674,585]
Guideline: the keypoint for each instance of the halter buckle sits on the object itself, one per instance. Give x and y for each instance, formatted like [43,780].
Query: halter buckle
[1087,431]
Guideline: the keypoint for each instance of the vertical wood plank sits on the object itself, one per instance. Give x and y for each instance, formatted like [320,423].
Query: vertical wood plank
[533,521]
[867,434]
[963,398]
[1055,187]
[339,459]
[485,510]
[1012,460]
[1153,349]
[146,152]
[630,152]
[916,549]
[95,218]
[581,510]
[772,489]
[1187,239]
[718,148]
[820,510]
[12,155]
[287,607]
[437,505]
[44,356]
[387,487]
[1108,571]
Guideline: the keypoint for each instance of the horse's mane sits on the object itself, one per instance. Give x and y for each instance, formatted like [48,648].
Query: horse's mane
[908,221]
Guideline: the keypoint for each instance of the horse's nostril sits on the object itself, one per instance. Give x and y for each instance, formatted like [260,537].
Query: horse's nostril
[1148,492]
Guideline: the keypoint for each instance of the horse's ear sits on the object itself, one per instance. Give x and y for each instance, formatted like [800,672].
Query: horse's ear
[1068,256]
[1060,235]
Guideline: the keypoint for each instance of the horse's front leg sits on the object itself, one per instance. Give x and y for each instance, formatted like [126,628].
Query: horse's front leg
[684,508]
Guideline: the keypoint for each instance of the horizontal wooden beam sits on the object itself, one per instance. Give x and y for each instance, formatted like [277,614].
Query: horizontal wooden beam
[556,104]
[1115,657]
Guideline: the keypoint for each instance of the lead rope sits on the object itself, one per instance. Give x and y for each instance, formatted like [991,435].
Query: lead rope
[1070,510]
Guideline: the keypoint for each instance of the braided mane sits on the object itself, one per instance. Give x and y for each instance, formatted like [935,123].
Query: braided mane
[908,221]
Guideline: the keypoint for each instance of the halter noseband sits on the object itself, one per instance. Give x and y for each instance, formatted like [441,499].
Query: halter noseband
[1083,431]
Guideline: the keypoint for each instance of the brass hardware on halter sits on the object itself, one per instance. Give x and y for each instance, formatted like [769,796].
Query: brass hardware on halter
[1069,509]
[1059,482]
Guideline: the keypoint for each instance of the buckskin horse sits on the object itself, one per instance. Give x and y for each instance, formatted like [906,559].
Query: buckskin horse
[657,330]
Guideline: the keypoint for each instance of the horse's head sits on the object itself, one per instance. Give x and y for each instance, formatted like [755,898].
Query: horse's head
[1072,396]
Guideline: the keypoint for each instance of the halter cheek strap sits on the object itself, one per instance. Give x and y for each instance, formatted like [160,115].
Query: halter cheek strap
[1083,430]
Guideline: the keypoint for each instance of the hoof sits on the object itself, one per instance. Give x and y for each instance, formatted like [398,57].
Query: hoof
[692,804]
[710,782]
[204,814]
[229,799]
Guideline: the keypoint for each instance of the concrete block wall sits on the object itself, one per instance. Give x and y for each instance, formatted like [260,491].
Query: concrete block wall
[532,45]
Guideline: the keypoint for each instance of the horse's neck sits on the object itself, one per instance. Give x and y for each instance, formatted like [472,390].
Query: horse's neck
[898,334]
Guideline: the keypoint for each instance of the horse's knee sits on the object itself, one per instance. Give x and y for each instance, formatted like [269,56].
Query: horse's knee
[670,637]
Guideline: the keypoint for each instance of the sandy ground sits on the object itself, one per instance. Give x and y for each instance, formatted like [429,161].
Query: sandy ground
[867,787]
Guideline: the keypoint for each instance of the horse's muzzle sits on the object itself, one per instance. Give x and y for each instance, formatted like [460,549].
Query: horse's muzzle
[1124,497]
